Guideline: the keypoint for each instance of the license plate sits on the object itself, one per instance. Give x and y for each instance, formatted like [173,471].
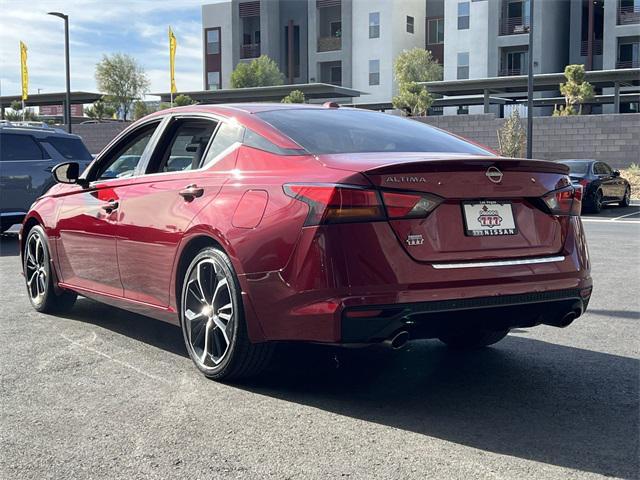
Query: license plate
[488,218]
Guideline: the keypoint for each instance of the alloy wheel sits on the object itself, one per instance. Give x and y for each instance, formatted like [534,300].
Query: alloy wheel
[208,312]
[36,268]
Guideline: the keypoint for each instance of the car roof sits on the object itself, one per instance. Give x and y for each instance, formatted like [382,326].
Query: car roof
[39,131]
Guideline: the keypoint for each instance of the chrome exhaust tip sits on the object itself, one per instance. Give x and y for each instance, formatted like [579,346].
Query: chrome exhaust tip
[397,341]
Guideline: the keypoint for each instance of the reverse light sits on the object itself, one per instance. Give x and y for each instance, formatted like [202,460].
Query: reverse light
[565,201]
[409,205]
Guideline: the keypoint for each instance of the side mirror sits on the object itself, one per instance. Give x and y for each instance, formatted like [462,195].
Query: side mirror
[68,172]
[616,173]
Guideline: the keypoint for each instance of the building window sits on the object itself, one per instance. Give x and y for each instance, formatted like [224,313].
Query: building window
[435,31]
[336,29]
[213,42]
[374,72]
[374,25]
[410,24]
[336,75]
[463,16]
[213,80]
[463,65]
[296,50]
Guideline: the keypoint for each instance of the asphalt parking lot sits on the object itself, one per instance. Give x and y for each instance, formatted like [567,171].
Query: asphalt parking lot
[103,393]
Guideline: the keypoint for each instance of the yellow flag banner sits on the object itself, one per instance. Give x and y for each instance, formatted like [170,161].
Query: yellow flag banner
[172,60]
[24,71]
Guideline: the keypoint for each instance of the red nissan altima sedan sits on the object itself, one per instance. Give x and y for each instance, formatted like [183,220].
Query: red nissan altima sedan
[257,223]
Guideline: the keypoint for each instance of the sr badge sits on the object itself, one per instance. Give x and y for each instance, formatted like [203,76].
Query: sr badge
[415,240]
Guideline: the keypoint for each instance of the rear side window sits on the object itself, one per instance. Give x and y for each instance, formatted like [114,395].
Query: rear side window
[20,147]
[227,135]
[187,141]
[325,131]
[69,148]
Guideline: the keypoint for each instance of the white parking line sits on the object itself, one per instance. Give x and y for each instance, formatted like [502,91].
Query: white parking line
[609,220]
[627,215]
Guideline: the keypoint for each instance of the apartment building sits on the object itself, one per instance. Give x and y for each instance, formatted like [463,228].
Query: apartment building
[354,43]
[351,43]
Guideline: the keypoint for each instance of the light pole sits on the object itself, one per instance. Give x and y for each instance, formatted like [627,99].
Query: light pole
[530,86]
[67,106]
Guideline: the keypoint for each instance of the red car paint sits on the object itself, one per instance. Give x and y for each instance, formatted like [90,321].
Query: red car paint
[297,279]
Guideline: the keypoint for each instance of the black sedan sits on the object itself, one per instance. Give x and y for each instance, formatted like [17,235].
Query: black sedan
[602,185]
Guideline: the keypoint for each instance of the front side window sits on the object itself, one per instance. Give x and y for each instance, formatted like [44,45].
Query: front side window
[435,34]
[374,25]
[463,15]
[213,41]
[326,131]
[410,24]
[374,72]
[463,65]
[184,145]
[20,147]
[123,159]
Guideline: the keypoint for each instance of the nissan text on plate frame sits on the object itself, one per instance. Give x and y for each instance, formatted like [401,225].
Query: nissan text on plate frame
[252,224]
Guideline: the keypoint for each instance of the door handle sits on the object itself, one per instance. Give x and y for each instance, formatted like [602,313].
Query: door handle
[111,206]
[191,191]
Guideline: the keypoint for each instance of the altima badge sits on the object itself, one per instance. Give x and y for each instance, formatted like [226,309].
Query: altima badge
[415,240]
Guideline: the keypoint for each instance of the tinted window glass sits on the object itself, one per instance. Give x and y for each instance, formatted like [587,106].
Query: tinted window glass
[226,135]
[579,168]
[125,159]
[355,131]
[601,169]
[189,140]
[20,147]
[70,148]
[254,140]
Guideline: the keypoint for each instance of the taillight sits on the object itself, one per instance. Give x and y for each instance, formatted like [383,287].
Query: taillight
[337,203]
[331,203]
[584,182]
[409,205]
[565,201]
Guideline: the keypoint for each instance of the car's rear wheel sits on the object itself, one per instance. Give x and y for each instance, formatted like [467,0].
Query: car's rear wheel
[626,200]
[595,205]
[39,276]
[213,323]
[473,338]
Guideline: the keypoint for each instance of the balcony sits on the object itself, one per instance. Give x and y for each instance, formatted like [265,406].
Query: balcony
[514,25]
[628,14]
[250,50]
[628,63]
[329,44]
[596,46]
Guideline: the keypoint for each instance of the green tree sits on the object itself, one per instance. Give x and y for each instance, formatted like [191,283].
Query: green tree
[512,136]
[140,110]
[122,79]
[295,96]
[99,110]
[183,100]
[261,72]
[576,90]
[416,65]
[414,98]
[410,68]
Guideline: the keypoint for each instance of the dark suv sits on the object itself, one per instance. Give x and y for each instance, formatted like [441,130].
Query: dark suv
[28,152]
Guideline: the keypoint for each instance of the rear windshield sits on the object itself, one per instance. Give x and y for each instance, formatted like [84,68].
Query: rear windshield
[579,168]
[69,148]
[321,131]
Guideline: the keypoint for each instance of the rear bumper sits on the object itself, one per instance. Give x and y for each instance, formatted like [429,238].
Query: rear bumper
[433,319]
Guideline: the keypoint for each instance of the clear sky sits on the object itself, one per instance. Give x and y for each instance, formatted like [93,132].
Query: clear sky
[138,28]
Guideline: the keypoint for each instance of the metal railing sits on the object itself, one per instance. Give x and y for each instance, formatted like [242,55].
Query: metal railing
[250,50]
[628,15]
[596,46]
[329,44]
[514,25]
[628,63]
[509,72]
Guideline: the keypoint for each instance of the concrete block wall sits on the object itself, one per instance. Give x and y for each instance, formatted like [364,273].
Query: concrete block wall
[611,138]
[96,136]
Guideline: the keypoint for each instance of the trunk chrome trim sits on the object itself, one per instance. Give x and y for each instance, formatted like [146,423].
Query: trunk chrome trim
[499,263]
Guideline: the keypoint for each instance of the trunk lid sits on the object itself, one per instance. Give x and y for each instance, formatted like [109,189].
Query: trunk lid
[468,193]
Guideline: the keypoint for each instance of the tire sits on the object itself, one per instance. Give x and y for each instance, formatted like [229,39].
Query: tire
[626,200]
[213,323]
[40,277]
[473,339]
[595,205]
